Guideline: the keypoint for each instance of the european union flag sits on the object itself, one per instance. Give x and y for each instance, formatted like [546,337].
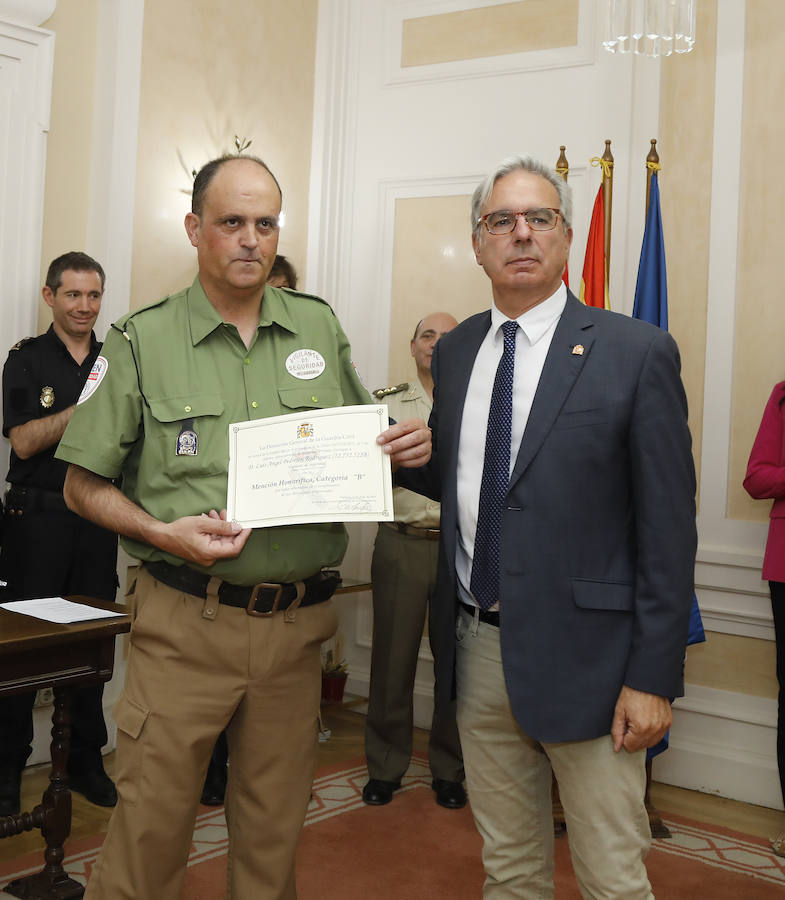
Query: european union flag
[651,289]
[651,305]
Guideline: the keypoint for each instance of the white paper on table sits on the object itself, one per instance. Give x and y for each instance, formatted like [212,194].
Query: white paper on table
[321,465]
[58,609]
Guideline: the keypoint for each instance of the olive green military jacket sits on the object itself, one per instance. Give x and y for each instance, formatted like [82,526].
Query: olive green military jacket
[171,378]
[410,401]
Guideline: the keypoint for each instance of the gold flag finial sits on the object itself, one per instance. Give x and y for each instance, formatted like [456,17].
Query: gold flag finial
[562,166]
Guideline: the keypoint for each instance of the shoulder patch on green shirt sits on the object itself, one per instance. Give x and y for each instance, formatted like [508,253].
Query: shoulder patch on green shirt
[301,294]
[124,320]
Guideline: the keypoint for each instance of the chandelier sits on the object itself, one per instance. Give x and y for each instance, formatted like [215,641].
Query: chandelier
[650,27]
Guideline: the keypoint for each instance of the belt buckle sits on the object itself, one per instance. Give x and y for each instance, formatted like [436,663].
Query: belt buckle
[255,593]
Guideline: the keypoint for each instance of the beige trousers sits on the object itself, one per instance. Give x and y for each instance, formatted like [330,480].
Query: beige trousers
[194,670]
[508,775]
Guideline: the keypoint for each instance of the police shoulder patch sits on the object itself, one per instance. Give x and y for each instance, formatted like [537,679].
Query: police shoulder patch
[19,344]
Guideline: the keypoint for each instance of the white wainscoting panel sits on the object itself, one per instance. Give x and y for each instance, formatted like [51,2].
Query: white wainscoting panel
[723,743]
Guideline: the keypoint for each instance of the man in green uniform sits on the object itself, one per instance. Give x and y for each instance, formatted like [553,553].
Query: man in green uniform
[228,622]
[403,572]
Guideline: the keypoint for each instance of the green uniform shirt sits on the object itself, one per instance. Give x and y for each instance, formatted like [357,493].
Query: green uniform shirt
[175,367]
[410,401]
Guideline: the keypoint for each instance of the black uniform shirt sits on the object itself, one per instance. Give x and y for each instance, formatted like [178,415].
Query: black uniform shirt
[40,378]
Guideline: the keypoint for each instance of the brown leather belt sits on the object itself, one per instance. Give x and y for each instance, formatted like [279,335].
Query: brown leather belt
[262,599]
[427,534]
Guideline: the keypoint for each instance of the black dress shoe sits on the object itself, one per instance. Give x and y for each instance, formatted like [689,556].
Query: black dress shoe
[378,793]
[214,790]
[449,794]
[10,784]
[95,786]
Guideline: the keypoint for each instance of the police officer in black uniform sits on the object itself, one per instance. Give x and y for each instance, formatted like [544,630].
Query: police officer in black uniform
[48,551]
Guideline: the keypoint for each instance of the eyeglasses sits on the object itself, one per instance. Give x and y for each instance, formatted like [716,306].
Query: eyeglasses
[503,221]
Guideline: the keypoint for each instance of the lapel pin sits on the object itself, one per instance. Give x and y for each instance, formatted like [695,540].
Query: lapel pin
[577,350]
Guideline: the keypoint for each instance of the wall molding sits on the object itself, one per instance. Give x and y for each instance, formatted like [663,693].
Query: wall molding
[112,191]
[731,595]
[26,67]
[27,12]
[723,743]
[331,192]
[583,53]
[714,529]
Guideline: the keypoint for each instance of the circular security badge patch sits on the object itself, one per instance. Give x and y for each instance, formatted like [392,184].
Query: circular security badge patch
[96,376]
[305,364]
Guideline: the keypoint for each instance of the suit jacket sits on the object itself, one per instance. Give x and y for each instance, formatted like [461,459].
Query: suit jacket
[598,534]
[766,478]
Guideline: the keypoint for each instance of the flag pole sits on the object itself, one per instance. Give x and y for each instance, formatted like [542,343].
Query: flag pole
[563,169]
[652,165]
[607,187]
[596,267]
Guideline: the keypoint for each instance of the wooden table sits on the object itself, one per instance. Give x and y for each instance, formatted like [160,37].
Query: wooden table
[352,586]
[35,654]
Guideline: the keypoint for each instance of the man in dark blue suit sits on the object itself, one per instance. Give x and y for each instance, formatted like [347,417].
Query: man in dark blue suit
[567,549]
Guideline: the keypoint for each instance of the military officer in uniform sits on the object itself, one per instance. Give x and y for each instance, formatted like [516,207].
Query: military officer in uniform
[47,550]
[403,572]
[229,621]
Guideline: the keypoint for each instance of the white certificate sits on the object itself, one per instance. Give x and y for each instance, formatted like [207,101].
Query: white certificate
[323,465]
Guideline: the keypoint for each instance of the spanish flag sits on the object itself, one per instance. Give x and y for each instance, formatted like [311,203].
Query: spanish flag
[594,283]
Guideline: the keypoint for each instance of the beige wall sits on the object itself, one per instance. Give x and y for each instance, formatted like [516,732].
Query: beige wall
[206,76]
[489,31]
[685,147]
[433,270]
[727,662]
[760,313]
[210,72]
[70,137]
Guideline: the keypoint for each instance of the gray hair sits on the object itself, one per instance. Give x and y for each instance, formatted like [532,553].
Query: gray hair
[527,164]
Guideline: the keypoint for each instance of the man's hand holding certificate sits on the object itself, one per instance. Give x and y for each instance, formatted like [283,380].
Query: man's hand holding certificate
[324,465]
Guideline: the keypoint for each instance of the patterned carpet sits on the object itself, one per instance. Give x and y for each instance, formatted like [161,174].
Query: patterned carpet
[414,850]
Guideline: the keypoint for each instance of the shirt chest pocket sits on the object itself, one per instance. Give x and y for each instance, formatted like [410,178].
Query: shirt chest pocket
[189,435]
[314,396]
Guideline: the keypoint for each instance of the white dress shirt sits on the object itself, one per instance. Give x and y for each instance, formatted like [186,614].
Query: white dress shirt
[532,341]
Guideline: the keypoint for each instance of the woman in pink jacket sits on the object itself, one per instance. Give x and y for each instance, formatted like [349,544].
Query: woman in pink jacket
[766,479]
